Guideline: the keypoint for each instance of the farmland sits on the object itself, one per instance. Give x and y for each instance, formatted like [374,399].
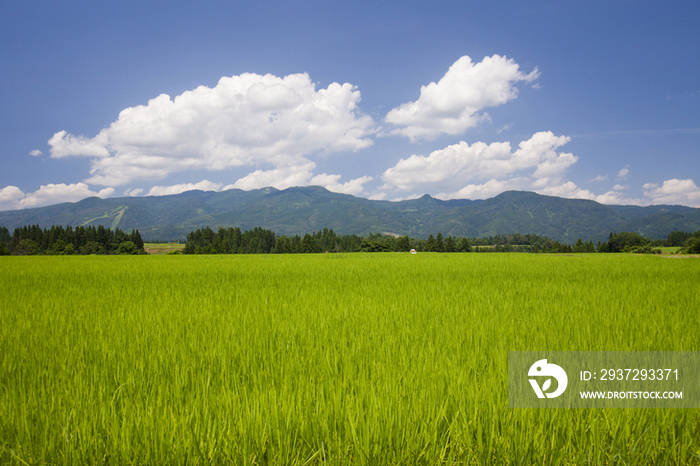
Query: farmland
[328,358]
[162,248]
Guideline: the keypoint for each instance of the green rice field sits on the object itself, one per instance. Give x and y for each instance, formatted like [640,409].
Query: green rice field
[329,359]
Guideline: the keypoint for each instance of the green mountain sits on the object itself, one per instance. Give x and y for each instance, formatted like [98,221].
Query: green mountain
[305,209]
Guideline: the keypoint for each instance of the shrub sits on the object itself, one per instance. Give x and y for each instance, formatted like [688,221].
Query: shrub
[646,249]
[127,247]
[692,246]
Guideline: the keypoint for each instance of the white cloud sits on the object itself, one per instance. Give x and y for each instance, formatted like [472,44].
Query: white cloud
[330,182]
[568,190]
[486,190]
[505,127]
[204,185]
[64,144]
[454,104]
[600,178]
[378,196]
[541,147]
[298,172]
[622,174]
[244,120]
[482,171]
[133,192]
[57,193]
[406,198]
[11,197]
[295,172]
[459,163]
[612,197]
[36,153]
[674,191]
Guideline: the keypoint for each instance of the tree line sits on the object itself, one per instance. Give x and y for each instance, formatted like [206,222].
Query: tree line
[634,242]
[57,240]
[261,241]
[233,240]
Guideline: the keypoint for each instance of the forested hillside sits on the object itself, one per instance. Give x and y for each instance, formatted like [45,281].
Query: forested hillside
[297,211]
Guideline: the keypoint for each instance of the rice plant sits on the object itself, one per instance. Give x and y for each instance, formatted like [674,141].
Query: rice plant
[329,359]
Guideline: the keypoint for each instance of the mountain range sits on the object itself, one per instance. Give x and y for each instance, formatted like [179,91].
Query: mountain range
[303,210]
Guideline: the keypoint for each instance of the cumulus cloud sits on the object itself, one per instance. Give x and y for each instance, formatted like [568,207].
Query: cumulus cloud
[541,149]
[455,103]
[486,190]
[330,182]
[293,172]
[482,171]
[571,191]
[64,144]
[244,120]
[600,178]
[406,198]
[298,172]
[56,193]
[12,197]
[133,192]
[622,174]
[673,191]
[459,163]
[36,153]
[378,196]
[568,190]
[617,198]
[204,185]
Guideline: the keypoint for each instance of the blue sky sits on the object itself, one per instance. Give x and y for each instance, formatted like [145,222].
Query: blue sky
[384,100]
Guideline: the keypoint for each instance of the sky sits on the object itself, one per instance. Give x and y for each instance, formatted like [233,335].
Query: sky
[387,100]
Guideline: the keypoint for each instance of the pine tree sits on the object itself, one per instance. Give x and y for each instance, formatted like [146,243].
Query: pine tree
[135,238]
[403,244]
[431,244]
[439,244]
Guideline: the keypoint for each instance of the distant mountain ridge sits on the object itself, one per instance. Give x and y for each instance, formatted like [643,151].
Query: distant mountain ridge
[302,210]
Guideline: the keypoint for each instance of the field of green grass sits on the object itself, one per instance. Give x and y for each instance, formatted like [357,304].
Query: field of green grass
[329,359]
